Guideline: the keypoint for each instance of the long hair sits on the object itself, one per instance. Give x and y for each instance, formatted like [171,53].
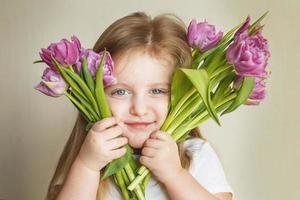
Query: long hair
[165,34]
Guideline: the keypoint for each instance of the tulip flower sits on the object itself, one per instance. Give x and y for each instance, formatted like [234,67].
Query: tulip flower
[258,92]
[202,35]
[64,51]
[52,83]
[93,60]
[249,54]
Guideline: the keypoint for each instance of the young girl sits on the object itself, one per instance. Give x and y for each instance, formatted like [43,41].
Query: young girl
[146,53]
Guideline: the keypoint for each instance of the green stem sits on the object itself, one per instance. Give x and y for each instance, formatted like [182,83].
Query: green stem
[146,180]
[122,185]
[141,170]
[125,177]
[87,105]
[137,190]
[79,106]
[135,183]
[200,118]
[178,106]
[84,88]
[185,113]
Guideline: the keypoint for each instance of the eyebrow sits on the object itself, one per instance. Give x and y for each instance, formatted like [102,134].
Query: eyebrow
[154,84]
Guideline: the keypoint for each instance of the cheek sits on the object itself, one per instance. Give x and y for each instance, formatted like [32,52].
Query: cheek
[162,110]
[118,108]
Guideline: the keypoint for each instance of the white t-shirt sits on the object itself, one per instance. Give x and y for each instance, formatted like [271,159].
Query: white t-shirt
[205,167]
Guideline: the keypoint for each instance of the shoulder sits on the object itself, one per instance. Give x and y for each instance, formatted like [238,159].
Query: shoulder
[206,167]
[197,148]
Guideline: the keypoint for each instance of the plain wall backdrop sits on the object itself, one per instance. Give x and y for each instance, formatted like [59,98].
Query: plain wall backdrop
[258,146]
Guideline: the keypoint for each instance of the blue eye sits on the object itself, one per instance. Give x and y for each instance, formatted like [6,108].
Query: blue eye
[157,91]
[119,92]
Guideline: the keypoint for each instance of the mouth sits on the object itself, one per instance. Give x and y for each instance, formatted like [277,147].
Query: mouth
[139,125]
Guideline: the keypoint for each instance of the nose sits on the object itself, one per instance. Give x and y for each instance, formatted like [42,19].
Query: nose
[138,105]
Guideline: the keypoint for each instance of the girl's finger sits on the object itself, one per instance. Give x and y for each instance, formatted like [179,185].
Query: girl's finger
[117,142]
[144,160]
[112,132]
[104,124]
[160,135]
[118,152]
[149,152]
[153,143]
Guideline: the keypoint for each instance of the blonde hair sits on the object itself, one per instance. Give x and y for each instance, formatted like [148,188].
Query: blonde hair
[165,34]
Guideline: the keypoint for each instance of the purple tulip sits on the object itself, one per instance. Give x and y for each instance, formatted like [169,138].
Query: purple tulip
[258,92]
[65,52]
[93,60]
[203,35]
[249,54]
[52,83]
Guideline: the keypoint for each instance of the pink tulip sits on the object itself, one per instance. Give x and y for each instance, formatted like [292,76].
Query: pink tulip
[202,35]
[258,92]
[93,60]
[52,83]
[65,52]
[249,54]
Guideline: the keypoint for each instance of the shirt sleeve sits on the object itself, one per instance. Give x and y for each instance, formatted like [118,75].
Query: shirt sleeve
[206,167]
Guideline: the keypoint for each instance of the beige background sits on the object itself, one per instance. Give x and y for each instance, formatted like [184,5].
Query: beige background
[258,146]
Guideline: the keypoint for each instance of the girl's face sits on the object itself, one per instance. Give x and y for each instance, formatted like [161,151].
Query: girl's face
[141,95]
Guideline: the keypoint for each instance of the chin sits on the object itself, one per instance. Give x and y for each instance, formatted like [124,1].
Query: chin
[137,138]
[137,141]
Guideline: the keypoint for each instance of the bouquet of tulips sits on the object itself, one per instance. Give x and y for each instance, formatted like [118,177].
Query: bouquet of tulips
[227,71]
[81,75]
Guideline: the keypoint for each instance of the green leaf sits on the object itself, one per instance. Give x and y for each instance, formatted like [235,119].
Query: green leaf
[118,164]
[242,95]
[200,80]
[84,88]
[220,70]
[220,74]
[214,60]
[252,27]
[87,75]
[228,35]
[179,87]
[221,45]
[223,85]
[68,79]
[99,90]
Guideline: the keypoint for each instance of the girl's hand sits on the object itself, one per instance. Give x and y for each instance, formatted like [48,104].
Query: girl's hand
[102,144]
[160,155]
